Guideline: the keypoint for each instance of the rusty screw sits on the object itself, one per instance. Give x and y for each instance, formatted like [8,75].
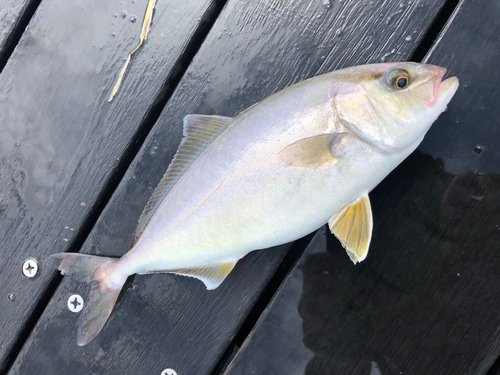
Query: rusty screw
[30,268]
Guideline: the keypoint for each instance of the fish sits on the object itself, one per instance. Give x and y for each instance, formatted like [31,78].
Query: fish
[303,157]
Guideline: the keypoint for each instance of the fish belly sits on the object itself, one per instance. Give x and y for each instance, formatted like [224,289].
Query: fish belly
[261,203]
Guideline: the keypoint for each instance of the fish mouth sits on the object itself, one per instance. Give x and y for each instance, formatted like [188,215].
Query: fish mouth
[447,89]
[432,92]
[439,88]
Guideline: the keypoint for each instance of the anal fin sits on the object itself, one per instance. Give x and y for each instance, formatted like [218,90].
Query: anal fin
[353,227]
[212,275]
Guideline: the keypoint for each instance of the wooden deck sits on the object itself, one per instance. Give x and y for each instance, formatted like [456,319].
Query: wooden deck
[76,172]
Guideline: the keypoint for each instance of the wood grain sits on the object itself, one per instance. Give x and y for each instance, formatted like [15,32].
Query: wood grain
[425,301]
[60,138]
[255,49]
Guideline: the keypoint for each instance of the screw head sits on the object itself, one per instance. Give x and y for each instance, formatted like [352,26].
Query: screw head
[30,268]
[168,371]
[75,303]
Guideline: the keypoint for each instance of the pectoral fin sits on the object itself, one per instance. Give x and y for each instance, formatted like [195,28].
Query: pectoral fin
[312,152]
[353,227]
[212,275]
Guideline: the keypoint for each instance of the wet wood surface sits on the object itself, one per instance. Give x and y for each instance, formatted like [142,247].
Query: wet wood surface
[425,301]
[254,49]
[61,141]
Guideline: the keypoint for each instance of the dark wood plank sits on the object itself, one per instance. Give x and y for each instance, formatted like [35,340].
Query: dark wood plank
[254,49]
[425,301]
[60,138]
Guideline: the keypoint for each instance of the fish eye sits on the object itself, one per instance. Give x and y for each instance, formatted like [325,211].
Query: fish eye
[400,79]
[402,82]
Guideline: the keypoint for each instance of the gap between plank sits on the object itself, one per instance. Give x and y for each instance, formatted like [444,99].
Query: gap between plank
[495,368]
[150,118]
[17,32]
[431,35]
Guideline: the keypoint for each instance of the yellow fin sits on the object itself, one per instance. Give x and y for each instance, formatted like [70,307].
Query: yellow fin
[312,152]
[353,227]
[212,275]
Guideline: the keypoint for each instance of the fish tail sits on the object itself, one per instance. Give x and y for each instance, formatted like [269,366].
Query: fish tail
[105,287]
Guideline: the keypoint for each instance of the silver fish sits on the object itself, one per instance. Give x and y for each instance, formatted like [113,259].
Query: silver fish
[305,156]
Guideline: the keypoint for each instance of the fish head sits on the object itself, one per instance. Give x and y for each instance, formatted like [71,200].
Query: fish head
[391,106]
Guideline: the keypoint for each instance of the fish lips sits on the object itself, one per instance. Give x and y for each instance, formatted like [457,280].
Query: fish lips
[447,89]
[432,93]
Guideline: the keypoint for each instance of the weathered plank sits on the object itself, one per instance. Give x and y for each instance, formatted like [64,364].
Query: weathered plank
[254,49]
[425,301]
[60,138]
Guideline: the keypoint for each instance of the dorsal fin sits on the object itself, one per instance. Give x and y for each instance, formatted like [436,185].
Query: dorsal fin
[199,131]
